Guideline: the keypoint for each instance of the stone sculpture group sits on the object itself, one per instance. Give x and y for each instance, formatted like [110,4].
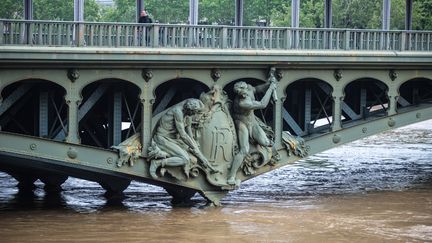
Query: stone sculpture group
[214,136]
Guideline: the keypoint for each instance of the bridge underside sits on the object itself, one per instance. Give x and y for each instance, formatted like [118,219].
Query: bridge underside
[65,112]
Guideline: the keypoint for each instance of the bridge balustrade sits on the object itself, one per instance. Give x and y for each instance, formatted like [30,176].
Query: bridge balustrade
[92,34]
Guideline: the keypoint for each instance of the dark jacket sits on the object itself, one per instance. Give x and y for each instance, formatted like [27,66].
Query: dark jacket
[145,20]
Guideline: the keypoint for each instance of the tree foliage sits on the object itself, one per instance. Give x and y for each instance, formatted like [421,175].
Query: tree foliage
[360,14]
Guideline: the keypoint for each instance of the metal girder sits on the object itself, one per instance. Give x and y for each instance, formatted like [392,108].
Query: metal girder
[386,14]
[193,12]
[363,102]
[291,122]
[403,102]
[85,108]
[295,13]
[239,7]
[307,109]
[345,108]
[328,14]
[14,97]
[91,101]
[43,114]
[408,14]
[117,118]
[165,100]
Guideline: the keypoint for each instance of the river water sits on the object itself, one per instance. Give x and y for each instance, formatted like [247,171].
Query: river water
[378,189]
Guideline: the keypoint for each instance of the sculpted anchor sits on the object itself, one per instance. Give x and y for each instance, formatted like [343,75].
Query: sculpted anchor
[249,127]
[173,139]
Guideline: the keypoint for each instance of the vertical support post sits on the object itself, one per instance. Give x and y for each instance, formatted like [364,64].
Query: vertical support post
[43,114]
[337,110]
[193,12]
[408,14]
[363,97]
[307,109]
[79,17]
[277,118]
[117,118]
[386,14]
[147,100]
[28,15]
[295,13]
[139,8]
[328,14]
[239,4]
[393,96]
[73,101]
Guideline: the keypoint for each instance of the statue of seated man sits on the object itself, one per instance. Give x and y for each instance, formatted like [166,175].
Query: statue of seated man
[173,138]
[248,127]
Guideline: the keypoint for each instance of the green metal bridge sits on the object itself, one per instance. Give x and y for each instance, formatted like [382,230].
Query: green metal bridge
[85,99]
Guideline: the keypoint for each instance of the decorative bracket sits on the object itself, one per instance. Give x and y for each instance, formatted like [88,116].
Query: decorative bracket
[337,74]
[393,75]
[147,74]
[215,74]
[73,74]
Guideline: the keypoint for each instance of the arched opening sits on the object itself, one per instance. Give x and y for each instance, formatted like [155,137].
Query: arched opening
[175,91]
[33,107]
[109,113]
[266,114]
[415,92]
[364,99]
[308,107]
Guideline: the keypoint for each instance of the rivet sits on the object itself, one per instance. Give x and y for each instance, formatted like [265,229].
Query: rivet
[336,138]
[364,130]
[418,115]
[33,146]
[391,123]
[72,153]
[109,160]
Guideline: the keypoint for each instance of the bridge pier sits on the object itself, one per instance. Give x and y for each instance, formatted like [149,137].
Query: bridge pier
[25,181]
[114,186]
[53,182]
[180,196]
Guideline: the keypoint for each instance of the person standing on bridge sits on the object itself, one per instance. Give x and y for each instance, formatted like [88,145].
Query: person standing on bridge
[144,19]
[248,126]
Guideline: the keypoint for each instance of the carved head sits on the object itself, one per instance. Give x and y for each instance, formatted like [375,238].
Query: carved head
[193,106]
[241,88]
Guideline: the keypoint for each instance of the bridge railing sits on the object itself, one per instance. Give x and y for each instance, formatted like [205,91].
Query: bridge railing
[94,34]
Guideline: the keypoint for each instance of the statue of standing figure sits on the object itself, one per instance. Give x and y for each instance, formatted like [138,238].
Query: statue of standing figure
[173,139]
[247,124]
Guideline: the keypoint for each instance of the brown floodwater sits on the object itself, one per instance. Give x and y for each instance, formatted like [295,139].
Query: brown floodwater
[377,189]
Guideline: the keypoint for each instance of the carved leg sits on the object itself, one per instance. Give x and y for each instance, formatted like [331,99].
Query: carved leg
[243,138]
[170,162]
[238,160]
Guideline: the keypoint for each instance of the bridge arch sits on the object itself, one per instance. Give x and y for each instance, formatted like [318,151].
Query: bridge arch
[54,76]
[109,113]
[308,107]
[414,92]
[364,98]
[84,82]
[173,91]
[34,107]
